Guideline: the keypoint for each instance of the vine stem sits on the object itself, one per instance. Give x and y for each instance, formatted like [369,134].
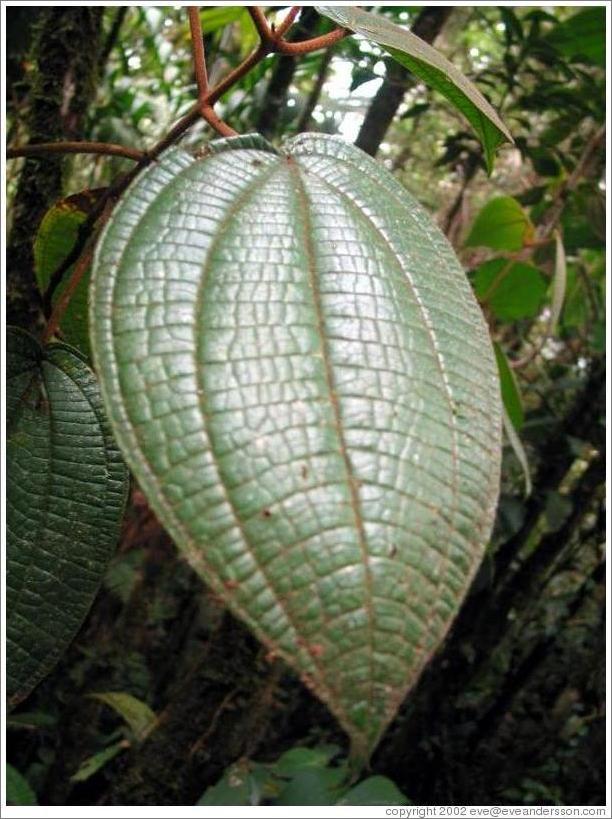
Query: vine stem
[105,148]
[271,41]
[201,74]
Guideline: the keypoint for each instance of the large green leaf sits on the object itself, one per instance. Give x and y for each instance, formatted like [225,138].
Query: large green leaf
[430,66]
[298,373]
[65,497]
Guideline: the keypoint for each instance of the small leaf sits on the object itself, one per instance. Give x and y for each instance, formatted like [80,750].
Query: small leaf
[94,763]
[30,720]
[376,790]
[509,389]
[297,759]
[314,786]
[18,790]
[65,498]
[519,450]
[55,239]
[212,19]
[416,110]
[140,718]
[243,783]
[513,290]
[501,225]
[559,284]
[430,66]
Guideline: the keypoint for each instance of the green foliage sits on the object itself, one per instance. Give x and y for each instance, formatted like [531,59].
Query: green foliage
[90,766]
[513,290]
[511,710]
[501,225]
[430,66]
[56,237]
[301,776]
[18,790]
[201,420]
[66,494]
[580,37]
[137,714]
[509,389]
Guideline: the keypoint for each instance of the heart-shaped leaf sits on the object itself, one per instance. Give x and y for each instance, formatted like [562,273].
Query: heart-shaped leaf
[426,63]
[299,375]
[65,497]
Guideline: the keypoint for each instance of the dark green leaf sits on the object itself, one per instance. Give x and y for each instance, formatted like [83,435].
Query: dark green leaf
[416,110]
[582,36]
[243,784]
[267,345]
[509,389]
[315,786]
[297,759]
[512,290]
[376,790]
[56,237]
[430,66]
[18,790]
[65,497]
[94,763]
[501,225]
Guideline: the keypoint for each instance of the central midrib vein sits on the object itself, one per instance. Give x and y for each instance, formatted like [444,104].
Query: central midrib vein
[333,399]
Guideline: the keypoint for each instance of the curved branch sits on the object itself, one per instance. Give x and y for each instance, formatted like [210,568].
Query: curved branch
[314,44]
[104,148]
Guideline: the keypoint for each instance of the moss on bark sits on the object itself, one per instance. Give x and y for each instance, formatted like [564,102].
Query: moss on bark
[62,81]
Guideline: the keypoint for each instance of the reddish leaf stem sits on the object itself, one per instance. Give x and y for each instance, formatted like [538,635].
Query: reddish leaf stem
[289,20]
[197,46]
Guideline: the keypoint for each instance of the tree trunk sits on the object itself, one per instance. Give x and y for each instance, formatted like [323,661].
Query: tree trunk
[64,59]
[389,96]
[313,97]
[282,76]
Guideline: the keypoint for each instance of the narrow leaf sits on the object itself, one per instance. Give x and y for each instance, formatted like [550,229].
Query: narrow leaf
[430,66]
[137,714]
[511,395]
[303,383]
[559,284]
[502,224]
[65,498]
[519,450]
[93,764]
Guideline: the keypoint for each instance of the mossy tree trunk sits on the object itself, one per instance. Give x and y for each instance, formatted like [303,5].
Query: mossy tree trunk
[62,81]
